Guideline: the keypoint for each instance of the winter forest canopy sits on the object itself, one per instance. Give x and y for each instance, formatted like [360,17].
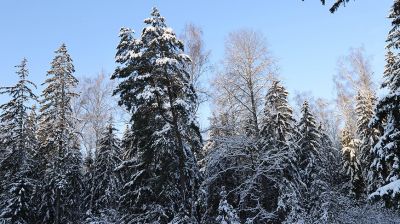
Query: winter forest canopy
[128,148]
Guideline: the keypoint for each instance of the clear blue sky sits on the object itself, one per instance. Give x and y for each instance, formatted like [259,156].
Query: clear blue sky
[304,36]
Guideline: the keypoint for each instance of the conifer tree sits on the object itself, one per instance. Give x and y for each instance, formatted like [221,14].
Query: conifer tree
[32,128]
[365,104]
[330,179]
[309,143]
[310,165]
[128,154]
[15,168]
[106,185]
[128,148]
[351,163]
[62,187]
[226,213]
[277,140]
[387,114]
[88,165]
[155,88]
[278,121]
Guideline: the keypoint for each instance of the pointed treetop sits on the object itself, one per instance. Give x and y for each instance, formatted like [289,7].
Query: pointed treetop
[393,38]
[306,107]
[110,127]
[23,73]
[392,68]
[156,19]
[124,31]
[23,70]
[22,86]
[62,49]
[62,65]
[155,12]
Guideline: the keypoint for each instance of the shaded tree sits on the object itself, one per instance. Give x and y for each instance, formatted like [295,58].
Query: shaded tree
[62,187]
[16,165]
[386,151]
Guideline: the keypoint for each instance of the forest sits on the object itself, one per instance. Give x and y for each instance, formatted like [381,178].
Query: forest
[128,147]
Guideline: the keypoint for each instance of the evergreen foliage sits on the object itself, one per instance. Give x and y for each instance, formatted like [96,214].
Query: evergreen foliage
[155,88]
[277,125]
[16,165]
[386,151]
[259,167]
[59,147]
[104,193]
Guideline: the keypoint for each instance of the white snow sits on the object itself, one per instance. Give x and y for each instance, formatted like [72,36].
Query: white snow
[391,189]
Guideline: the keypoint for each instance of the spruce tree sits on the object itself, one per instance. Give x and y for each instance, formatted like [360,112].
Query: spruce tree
[88,165]
[277,125]
[365,104]
[155,88]
[62,187]
[309,143]
[330,177]
[386,152]
[128,154]
[277,142]
[351,163]
[310,164]
[330,158]
[226,213]
[128,148]
[16,166]
[32,128]
[104,191]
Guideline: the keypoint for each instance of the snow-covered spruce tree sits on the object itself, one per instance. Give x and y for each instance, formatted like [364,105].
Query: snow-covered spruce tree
[365,104]
[88,163]
[277,140]
[387,114]
[155,87]
[62,187]
[309,143]
[31,129]
[15,168]
[277,124]
[351,163]
[330,179]
[104,193]
[226,213]
[38,162]
[128,154]
[331,159]
[310,163]
[128,149]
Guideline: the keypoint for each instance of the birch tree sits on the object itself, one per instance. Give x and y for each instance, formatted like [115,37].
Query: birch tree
[248,67]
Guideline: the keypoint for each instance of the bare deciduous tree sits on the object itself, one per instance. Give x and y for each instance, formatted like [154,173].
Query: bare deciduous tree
[94,108]
[200,58]
[248,67]
[354,75]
